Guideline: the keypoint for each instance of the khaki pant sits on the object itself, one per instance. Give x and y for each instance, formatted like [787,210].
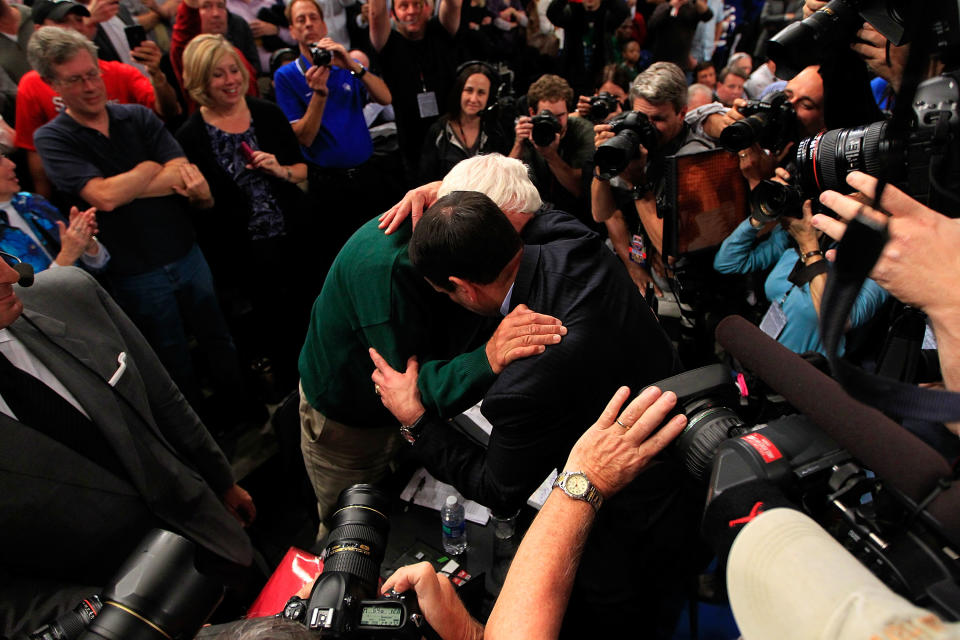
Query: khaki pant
[338,456]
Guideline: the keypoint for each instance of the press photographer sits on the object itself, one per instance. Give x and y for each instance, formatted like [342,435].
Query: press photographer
[627,200]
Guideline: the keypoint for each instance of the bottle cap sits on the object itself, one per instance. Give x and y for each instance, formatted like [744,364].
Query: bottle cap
[451,500]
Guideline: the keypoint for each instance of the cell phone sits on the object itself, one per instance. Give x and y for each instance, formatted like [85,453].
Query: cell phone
[135,35]
[246,151]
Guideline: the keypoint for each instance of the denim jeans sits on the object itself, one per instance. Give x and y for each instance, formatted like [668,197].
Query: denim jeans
[172,302]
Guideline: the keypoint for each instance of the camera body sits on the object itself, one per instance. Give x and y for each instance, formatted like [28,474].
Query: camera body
[546,127]
[601,106]
[631,129]
[321,57]
[343,602]
[770,123]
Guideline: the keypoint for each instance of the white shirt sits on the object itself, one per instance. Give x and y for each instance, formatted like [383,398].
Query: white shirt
[22,359]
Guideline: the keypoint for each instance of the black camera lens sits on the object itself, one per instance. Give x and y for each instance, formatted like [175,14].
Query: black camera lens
[321,57]
[809,41]
[358,536]
[771,200]
[71,624]
[601,106]
[708,426]
[631,129]
[545,128]
[824,160]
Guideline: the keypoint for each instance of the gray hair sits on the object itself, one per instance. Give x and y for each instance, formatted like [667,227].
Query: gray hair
[504,180]
[699,89]
[662,82]
[51,46]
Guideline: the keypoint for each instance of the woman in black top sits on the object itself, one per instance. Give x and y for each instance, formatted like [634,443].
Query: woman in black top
[251,159]
[463,131]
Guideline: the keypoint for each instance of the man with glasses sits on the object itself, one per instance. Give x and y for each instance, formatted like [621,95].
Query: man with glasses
[121,159]
[39,103]
[97,447]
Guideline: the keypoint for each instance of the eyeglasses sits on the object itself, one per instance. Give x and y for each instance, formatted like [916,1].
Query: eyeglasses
[90,76]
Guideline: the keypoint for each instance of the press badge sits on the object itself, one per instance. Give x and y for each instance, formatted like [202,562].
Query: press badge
[774,321]
[638,252]
[427,103]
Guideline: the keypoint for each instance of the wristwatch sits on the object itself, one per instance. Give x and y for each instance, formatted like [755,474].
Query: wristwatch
[411,432]
[576,485]
[359,74]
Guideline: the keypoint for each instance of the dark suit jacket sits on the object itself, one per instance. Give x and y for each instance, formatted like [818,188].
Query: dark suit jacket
[63,516]
[540,405]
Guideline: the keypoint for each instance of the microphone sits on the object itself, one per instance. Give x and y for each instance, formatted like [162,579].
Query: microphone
[26,274]
[895,454]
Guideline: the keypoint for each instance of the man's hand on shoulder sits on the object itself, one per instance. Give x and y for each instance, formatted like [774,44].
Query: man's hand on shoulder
[413,204]
[522,333]
[438,601]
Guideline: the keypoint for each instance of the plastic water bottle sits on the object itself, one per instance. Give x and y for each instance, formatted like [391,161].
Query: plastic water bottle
[454,527]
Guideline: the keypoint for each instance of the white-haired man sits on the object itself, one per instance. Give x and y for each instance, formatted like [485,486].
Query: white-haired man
[374,298]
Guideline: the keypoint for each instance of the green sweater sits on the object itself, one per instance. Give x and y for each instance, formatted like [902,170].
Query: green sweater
[373,297]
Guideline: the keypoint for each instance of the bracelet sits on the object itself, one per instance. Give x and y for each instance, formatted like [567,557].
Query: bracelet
[289,175]
[810,254]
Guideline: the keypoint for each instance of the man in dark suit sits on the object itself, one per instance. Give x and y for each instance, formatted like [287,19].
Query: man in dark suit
[97,446]
[538,407]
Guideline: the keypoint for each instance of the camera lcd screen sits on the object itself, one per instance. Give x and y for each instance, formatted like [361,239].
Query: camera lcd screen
[381,615]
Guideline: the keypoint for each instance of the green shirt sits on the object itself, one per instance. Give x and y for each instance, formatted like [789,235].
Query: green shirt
[373,297]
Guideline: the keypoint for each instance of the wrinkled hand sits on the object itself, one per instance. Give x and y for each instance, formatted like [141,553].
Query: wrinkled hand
[920,262]
[871,45]
[715,123]
[520,334]
[413,204]
[612,456]
[802,229]
[195,187]
[438,601]
[240,504]
[268,163]
[261,28]
[316,78]
[149,55]
[398,391]
[77,238]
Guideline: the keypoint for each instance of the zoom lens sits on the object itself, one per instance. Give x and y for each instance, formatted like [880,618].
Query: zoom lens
[824,160]
[358,537]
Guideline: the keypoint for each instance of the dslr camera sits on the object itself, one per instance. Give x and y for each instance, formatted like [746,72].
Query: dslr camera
[601,106]
[344,602]
[546,126]
[921,161]
[770,123]
[631,129]
[321,57]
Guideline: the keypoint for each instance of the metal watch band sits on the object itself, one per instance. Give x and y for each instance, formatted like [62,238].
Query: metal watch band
[591,496]
[411,432]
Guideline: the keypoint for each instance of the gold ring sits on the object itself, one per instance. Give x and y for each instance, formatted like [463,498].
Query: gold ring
[376,389]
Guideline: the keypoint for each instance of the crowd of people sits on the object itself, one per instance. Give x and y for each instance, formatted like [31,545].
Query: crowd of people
[218,172]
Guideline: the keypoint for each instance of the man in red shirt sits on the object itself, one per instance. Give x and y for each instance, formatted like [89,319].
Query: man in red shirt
[38,103]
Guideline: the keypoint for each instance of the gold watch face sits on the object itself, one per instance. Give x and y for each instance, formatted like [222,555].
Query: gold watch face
[577,484]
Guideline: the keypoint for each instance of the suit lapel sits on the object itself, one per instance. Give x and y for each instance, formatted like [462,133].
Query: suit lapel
[88,386]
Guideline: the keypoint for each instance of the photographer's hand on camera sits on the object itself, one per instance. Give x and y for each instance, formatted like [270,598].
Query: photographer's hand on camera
[758,164]
[881,56]
[438,601]
[715,123]
[316,78]
[812,6]
[523,129]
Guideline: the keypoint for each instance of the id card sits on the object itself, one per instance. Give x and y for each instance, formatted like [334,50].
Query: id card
[638,252]
[774,321]
[427,103]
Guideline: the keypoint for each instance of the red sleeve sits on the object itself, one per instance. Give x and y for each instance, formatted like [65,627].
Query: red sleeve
[127,85]
[34,109]
[185,28]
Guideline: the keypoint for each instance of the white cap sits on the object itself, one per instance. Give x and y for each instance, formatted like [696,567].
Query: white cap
[451,500]
[789,579]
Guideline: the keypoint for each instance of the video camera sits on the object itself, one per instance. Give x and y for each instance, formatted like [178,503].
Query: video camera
[809,447]
[920,161]
[770,122]
[631,129]
[157,593]
[343,602]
